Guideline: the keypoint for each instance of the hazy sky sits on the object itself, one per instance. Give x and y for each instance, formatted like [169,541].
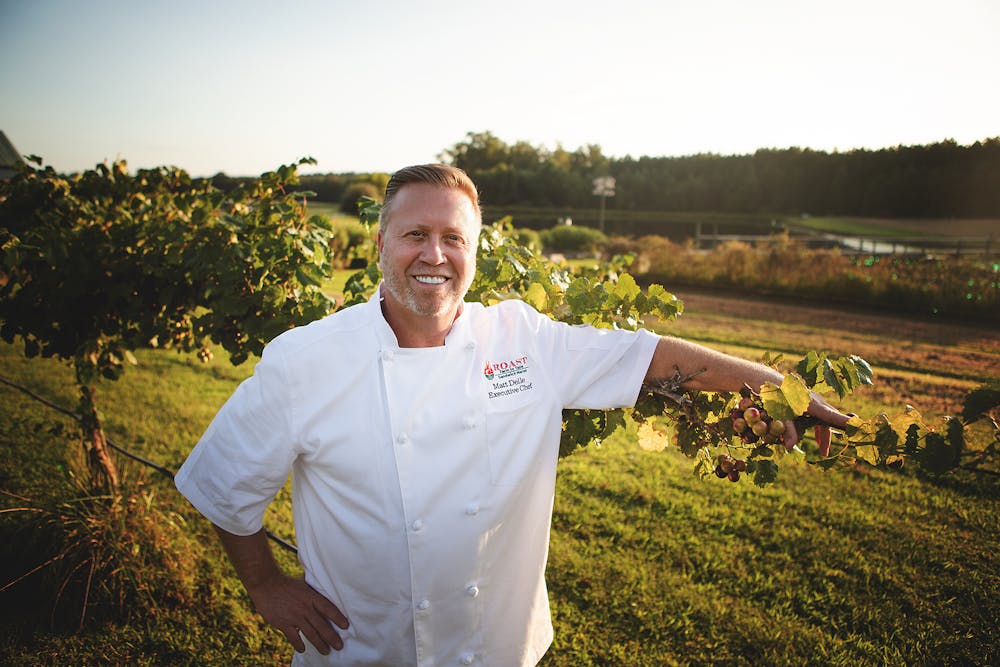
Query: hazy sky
[373,85]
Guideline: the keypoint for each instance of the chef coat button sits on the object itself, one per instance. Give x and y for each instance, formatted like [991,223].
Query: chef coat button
[387,355]
[424,604]
[469,423]
[402,438]
[471,345]
[472,590]
[472,509]
[468,658]
[418,524]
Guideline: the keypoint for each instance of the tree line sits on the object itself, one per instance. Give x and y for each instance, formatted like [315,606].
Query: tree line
[940,180]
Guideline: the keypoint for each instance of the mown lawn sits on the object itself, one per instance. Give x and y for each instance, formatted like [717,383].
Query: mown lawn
[648,565]
[898,227]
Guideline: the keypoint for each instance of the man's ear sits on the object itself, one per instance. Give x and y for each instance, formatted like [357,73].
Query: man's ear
[378,241]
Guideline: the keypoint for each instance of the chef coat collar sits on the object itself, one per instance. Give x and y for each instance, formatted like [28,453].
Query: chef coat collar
[460,333]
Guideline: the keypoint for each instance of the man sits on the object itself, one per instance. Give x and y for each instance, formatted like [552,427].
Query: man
[422,434]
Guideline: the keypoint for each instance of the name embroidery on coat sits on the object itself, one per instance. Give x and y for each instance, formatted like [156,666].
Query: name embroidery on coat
[505,376]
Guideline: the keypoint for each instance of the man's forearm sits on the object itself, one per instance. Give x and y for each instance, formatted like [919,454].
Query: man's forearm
[721,372]
[251,556]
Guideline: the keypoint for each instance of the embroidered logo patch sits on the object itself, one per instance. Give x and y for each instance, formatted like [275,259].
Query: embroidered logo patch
[499,370]
[507,377]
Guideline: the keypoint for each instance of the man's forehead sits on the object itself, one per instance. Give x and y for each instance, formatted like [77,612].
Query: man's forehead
[432,190]
[421,203]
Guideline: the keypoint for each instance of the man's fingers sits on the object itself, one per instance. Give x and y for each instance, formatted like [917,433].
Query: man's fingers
[317,628]
[330,611]
[790,436]
[322,637]
[302,614]
[326,633]
[822,434]
[293,637]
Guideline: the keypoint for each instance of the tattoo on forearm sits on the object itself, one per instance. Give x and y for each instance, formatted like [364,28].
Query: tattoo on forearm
[670,387]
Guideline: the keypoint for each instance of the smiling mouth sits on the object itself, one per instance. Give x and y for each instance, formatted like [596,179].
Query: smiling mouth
[430,280]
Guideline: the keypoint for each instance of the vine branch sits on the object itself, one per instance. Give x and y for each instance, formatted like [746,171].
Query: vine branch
[670,387]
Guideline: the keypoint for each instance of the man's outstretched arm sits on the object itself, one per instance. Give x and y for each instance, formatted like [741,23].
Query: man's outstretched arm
[286,603]
[724,372]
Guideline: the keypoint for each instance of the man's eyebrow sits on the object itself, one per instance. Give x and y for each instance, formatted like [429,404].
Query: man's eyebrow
[425,226]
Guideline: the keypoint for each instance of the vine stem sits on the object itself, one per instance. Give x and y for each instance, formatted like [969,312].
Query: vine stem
[670,387]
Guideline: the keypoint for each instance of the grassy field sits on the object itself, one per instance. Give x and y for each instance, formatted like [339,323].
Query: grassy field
[899,227]
[330,210]
[648,565]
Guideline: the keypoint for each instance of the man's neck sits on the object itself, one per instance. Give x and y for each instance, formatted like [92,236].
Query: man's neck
[416,330]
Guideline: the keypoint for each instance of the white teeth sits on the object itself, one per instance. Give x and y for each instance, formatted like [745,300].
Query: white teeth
[430,280]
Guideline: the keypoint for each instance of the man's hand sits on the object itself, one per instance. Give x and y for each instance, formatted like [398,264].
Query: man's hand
[286,603]
[293,606]
[827,415]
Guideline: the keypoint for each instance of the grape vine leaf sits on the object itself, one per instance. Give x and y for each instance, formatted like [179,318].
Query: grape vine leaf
[980,401]
[765,472]
[651,439]
[788,401]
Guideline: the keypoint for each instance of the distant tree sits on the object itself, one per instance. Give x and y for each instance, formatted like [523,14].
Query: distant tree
[479,152]
[224,182]
[326,187]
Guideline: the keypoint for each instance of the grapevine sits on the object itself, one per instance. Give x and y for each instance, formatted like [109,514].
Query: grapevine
[96,265]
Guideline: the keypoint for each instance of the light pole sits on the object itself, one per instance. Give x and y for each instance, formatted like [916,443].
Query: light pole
[604,187]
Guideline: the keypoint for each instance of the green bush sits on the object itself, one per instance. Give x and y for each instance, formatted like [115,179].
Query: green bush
[573,239]
[354,192]
[351,241]
[953,285]
[530,238]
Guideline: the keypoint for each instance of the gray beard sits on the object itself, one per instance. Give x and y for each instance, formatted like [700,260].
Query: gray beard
[405,296]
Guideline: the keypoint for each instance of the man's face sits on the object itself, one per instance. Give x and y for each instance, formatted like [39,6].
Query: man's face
[427,251]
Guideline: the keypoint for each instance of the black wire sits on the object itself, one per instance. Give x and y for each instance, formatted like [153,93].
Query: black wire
[135,457]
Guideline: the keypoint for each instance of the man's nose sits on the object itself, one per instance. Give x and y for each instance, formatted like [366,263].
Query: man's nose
[433,253]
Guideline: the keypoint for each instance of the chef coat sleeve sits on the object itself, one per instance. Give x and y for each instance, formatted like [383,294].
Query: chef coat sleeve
[597,368]
[246,454]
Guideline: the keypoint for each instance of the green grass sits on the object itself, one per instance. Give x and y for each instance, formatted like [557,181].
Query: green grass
[851,226]
[648,565]
[896,227]
[331,211]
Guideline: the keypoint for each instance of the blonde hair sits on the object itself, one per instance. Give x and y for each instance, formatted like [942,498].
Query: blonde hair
[441,175]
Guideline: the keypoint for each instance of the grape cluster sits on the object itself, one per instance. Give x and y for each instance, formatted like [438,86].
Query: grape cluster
[751,422]
[728,467]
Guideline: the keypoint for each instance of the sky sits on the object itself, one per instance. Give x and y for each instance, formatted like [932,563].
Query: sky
[243,87]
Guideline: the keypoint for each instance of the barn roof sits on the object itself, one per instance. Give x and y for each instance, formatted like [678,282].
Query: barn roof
[9,157]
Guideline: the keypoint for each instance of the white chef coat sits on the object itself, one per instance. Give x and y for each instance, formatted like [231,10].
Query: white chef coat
[423,478]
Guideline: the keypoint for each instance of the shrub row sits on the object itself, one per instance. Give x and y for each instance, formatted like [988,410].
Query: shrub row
[945,285]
